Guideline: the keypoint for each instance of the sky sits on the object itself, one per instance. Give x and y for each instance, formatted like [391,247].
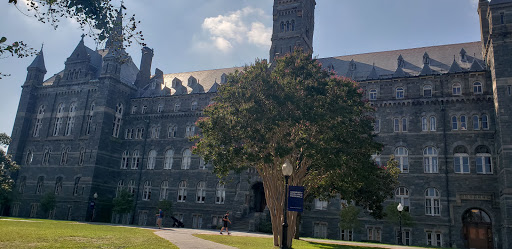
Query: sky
[193,35]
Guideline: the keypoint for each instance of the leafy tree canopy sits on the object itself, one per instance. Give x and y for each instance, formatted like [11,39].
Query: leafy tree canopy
[123,203]
[393,216]
[7,166]
[166,206]
[48,202]
[349,217]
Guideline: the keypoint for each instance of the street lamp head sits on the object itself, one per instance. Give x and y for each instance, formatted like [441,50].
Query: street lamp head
[400,207]
[287,168]
[95,196]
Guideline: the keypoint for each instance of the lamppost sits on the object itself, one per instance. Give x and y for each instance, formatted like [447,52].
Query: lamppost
[93,205]
[400,208]
[287,172]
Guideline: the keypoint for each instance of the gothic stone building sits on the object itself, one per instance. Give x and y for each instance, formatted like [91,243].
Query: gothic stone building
[99,126]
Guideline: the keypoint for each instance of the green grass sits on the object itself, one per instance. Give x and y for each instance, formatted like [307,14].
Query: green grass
[259,243]
[34,233]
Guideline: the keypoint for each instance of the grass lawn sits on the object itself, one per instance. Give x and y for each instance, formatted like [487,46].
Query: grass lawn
[34,233]
[258,243]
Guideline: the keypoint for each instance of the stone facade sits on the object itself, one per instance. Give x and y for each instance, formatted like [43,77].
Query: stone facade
[100,126]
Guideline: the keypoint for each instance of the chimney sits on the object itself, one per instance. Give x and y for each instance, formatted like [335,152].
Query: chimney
[145,68]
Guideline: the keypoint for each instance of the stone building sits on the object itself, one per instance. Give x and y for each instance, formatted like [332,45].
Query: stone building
[99,126]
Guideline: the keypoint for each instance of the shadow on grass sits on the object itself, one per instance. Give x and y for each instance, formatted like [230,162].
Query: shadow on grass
[333,246]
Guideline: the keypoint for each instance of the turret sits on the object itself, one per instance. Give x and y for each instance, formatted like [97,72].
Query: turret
[36,70]
[483,6]
[145,68]
[113,60]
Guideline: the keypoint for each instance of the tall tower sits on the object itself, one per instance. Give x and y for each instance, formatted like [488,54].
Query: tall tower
[496,23]
[294,23]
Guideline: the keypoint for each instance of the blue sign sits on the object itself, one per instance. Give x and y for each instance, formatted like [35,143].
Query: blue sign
[296,199]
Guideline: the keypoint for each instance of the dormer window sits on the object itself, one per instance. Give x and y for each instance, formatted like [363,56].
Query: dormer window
[426,59]
[373,94]
[400,62]
[463,56]
[427,91]
[400,92]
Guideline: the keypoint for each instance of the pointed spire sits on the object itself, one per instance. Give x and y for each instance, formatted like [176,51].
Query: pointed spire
[426,70]
[455,68]
[80,53]
[475,66]
[38,62]
[400,61]
[399,73]
[373,74]
[426,58]
[115,39]
[462,54]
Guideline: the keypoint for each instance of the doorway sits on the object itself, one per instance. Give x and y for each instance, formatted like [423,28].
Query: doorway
[477,228]
[259,201]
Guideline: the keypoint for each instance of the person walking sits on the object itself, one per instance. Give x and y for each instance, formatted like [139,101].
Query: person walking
[159,218]
[225,221]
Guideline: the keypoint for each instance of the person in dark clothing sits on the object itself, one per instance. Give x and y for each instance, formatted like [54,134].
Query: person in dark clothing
[225,221]
[159,216]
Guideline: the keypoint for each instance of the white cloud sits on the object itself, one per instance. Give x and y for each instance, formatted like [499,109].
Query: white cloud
[235,29]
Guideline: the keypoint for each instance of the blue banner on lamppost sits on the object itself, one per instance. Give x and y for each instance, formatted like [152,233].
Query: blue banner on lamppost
[296,199]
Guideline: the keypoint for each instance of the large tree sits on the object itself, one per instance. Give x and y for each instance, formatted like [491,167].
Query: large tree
[7,167]
[294,110]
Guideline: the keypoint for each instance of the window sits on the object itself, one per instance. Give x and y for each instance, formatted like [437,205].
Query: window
[134,109]
[190,131]
[401,155]
[135,159]
[76,186]
[476,123]
[125,159]
[151,160]
[187,154]
[202,164]
[168,160]
[201,192]
[71,119]
[58,120]
[220,193]
[400,124]
[396,125]
[160,108]
[320,204]
[376,126]
[430,160]
[282,26]
[432,202]
[197,221]
[29,158]
[22,184]
[455,123]
[293,25]
[485,122]
[46,156]
[434,238]
[171,131]
[461,163]
[58,185]
[177,107]
[402,196]
[131,187]
[477,88]
[40,185]
[483,163]
[64,156]
[374,233]
[120,186]
[216,220]
[146,193]
[433,123]
[376,158]
[456,89]
[15,209]
[320,230]
[347,234]
[33,209]
[463,123]
[39,121]
[117,120]
[182,191]
[164,190]
[193,106]
[88,126]
[400,93]
[81,157]
[406,237]
[427,91]
[373,94]
[144,109]
[424,124]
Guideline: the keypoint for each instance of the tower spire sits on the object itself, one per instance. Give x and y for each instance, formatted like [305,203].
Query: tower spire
[115,38]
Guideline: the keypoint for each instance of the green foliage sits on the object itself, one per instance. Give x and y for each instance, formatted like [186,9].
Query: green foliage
[166,206]
[349,217]
[7,167]
[296,110]
[393,216]
[123,203]
[48,202]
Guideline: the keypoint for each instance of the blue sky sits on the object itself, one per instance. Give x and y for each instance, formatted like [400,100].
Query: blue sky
[192,35]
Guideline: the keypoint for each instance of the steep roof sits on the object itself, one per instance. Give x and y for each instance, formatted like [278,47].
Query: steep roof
[38,62]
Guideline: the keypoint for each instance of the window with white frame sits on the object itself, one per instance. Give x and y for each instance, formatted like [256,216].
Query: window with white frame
[427,91]
[135,159]
[402,196]
[424,124]
[483,163]
[22,184]
[373,94]
[71,119]
[402,157]
[58,120]
[88,126]
[76,187]
[187,156]
[40,185]
[430,162]
[456,89]
[151,160]
[197,221]
[39,121]
[64,156]
[374,233]
[321,204]
[177,107]
[182,191]
[169,158]
[433,123]
[400,92]
[29,158]
[434,238]
[154,132]
[171,131]
[200,192]
[164,190]
[125,159]
[320,230]
[455,123]
[131,187]
[193,106]
[461,163]
[146,192]
[134,109]
[220,193]
[347,234]
[120,186]
[485,122]
[190,131]
[396,125]
[117,120]
[463,123]
[81,157]
[160,108]
[216,220]
[33,209]
[46,156]
[202,164]
[406,237]
[432,202]
[144,109]
[477,88]
[58,185]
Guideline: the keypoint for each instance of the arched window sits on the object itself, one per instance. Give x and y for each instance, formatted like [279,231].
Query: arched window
[201,192]
[64,156]
[131,187]
[71,119]
[430,160]
[81,157]
[40,185]
[46,156]
[22,184]
[400,93]
[151,160]
[220,193]
[282,27]
[424,124]
[193,106]
[117,120]
[125,159]
[461,163]
[169,158]
[88,126]
[160,108]
[432,202]
[146,193]
[485,122]
[58,120]
[164,190]
[190,131]
[30,157]
[427,91]
[402,157]
[293,25]
[402,196]
[39,121]
[433,123]
[135,159]
[456,89]
[120,186]
[373,94]
[455,123]
[476,123]
[187,154]
[76,187]
[172,131]
[463,123]
[288,26]
[477,88]
[177,107]
[182,191]
[154,132]
[58,185]
[144,109]
[202,164]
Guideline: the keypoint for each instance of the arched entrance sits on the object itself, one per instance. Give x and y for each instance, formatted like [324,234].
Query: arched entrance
[259,202]
[477,228]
